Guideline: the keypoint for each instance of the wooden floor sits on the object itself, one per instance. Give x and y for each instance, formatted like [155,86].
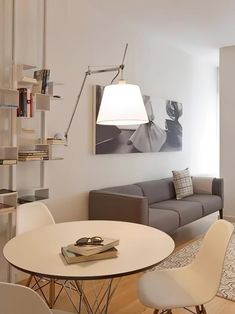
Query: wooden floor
[125,299]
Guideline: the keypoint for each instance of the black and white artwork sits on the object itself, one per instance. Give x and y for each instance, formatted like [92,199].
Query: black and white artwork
[163,132]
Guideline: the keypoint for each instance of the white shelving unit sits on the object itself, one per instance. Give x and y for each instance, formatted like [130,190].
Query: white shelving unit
[28,130]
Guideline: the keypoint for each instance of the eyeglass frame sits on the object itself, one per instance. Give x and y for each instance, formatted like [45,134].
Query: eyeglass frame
[95,240]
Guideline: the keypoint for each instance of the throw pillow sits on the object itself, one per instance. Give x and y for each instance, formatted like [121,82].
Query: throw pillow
[202,185]
[182,183]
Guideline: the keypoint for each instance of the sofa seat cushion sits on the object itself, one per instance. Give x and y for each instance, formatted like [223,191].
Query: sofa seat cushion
[163,219]
[187,211]
[210,203]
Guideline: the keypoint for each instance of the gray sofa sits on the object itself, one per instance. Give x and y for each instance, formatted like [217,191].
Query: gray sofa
[153,203]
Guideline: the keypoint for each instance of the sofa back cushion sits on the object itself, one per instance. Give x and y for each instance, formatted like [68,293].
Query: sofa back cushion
[158,190]
[130,189]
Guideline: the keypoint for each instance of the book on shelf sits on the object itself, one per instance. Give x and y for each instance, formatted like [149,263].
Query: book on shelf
[6,191]
[72,258]
[25,107]
[6,207]
[42,76]
[8,161]
[29,198]
[25,155]
[54,141]
[28,158]
[88,250]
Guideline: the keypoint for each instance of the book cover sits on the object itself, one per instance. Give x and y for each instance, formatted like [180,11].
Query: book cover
[22,109]
[88,250]
[72,258]
[28,103]
[38,75]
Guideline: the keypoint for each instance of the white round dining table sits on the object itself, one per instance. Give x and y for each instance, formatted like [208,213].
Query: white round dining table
[38,252]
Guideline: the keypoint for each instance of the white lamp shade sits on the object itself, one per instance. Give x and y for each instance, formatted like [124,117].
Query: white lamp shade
[122,104]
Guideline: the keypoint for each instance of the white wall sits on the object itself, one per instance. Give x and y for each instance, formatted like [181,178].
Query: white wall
[227,129]
[79,34]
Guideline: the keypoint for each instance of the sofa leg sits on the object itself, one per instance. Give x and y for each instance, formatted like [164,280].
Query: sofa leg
[221,215]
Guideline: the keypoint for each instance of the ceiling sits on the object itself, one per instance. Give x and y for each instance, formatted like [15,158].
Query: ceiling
[199,27]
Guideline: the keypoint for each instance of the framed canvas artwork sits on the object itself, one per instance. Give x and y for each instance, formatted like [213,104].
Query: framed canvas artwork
[162,133]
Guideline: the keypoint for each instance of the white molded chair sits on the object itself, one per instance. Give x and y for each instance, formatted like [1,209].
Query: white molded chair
[30,216]
[17,299]
[192,285]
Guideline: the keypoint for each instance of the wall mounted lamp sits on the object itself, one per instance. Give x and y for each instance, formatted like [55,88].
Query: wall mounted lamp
[122,103]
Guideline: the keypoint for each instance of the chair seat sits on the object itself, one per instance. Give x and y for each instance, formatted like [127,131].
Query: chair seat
[173,288]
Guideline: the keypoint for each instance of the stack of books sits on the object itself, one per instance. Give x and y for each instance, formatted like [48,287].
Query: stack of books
[27,155]
[77,254]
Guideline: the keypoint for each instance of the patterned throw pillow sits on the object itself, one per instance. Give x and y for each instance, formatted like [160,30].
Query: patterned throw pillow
[182,183]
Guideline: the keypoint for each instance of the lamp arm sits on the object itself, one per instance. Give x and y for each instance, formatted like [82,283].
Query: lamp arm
[75,108]
[88,72]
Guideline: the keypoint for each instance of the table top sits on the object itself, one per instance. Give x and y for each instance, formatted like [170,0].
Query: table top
[38,251]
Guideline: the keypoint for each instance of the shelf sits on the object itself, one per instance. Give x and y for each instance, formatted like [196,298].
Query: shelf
[8,153]
[6,209]
[56,98]
[42,101]
[8,201]
[9,98]
[32,195]
[55,152]
[25,80]
[7,192]
[52,92]
[27,67]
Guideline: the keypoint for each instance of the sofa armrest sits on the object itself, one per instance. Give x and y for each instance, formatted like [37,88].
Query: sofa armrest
[218,188]
[116,206]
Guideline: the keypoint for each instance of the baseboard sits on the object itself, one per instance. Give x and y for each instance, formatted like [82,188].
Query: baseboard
[230,218]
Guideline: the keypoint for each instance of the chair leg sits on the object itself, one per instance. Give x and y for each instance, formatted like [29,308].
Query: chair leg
[52,293]
[221,215]
[198,309]
[201,310]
